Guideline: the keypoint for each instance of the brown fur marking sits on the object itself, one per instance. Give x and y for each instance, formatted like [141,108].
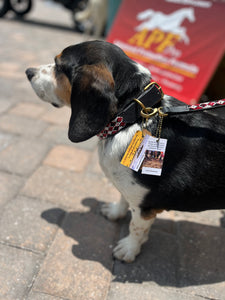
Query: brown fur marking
[63,88]
[95,74]
[151,214]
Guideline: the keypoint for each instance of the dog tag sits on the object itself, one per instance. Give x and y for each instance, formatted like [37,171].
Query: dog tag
[135,153]
[132,148]
[139,156]
[154,155]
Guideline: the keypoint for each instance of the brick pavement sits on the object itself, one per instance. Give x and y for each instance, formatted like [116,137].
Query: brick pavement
[54,244]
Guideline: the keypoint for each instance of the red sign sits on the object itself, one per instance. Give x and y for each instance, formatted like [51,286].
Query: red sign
[181,42]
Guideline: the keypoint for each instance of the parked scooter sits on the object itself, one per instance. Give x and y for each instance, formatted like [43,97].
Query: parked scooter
[22,7]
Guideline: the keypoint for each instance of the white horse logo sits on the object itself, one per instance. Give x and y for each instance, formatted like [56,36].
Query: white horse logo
[167,23]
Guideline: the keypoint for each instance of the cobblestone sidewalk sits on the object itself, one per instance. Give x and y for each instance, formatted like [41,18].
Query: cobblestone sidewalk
[54,244]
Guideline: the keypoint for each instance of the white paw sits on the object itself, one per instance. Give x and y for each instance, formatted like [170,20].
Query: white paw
[113,211]
[127,249]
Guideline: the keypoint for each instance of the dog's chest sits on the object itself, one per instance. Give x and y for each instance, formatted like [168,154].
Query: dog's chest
[110,153]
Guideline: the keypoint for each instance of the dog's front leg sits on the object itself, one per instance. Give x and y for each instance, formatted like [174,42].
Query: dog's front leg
[129,247]
[114,211]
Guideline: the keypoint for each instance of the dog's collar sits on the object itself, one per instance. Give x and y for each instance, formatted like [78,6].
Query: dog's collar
[151,95]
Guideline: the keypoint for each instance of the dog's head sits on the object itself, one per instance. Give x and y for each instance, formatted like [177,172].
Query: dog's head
[95,78]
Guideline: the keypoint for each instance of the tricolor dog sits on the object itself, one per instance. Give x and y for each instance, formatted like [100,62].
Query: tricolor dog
[99,82]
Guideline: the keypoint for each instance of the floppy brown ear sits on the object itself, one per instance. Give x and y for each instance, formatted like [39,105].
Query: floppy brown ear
[93,102]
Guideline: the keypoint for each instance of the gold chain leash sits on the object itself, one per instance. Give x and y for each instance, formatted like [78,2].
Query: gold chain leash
[159,128]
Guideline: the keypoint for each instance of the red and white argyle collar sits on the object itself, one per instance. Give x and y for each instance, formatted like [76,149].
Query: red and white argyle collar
[112,128]
[151,95]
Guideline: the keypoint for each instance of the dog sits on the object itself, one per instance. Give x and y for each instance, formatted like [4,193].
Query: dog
[99,82]
[93,17]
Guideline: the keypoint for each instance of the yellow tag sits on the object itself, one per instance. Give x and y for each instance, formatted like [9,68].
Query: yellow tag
[132,148]
[145,131]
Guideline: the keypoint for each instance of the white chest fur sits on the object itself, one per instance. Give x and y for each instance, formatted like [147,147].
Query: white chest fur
[110,153]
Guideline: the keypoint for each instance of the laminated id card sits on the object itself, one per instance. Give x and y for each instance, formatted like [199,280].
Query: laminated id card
[154,155]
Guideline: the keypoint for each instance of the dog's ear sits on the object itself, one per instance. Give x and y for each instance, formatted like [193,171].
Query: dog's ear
[93,102]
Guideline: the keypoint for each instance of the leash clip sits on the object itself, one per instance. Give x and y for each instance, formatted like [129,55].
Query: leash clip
[146,112]
[161,114]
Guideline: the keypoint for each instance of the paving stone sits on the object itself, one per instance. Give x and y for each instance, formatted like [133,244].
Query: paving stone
[65,188]
[58,116]
[41,296]
[94,166]
[9,92]
[21,125]
[210,217]
[90,144]
[56,134]
[59,135]
[5,140]
[165,222]
[18,268]
[202,264]
[67,157]
[22,225]
[79,262]
[131,291]
[9,186]
[222,219]
[22,157]
[10,70]
[30,110]
[4,105]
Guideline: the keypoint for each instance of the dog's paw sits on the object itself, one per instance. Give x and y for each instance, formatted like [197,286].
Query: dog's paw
[113,211]
[127,249]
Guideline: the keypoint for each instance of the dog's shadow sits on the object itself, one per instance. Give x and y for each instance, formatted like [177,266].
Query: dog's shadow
[177,254]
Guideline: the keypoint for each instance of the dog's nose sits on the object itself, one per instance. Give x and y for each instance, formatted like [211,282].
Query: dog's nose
[30,73]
